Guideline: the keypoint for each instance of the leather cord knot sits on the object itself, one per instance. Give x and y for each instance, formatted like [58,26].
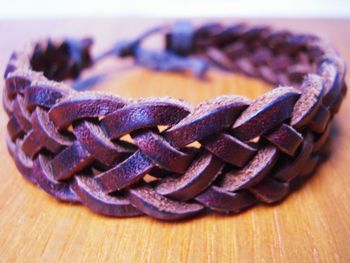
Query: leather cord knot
[180,39]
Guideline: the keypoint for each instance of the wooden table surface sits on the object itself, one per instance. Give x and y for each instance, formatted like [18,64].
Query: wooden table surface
[311,225]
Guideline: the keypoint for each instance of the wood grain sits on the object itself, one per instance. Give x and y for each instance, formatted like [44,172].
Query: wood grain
[312,225]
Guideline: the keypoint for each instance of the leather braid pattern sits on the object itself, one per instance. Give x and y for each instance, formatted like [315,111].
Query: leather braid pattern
[71,145]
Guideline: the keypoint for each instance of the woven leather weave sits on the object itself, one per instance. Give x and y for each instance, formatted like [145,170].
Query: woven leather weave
[69,142]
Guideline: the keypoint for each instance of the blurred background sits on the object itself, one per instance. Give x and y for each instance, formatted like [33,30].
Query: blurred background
[14,9]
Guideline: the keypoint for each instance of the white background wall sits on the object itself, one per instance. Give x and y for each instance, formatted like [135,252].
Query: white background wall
[170,8]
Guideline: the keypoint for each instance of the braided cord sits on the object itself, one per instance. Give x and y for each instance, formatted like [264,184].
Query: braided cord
[70,144]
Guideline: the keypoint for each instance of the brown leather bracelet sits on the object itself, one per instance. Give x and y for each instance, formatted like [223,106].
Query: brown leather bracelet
[68,142]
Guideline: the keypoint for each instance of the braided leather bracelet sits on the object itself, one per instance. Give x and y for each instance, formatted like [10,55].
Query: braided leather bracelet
[68,142]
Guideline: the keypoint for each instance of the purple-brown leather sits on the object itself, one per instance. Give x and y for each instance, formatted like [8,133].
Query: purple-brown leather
[69,142]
